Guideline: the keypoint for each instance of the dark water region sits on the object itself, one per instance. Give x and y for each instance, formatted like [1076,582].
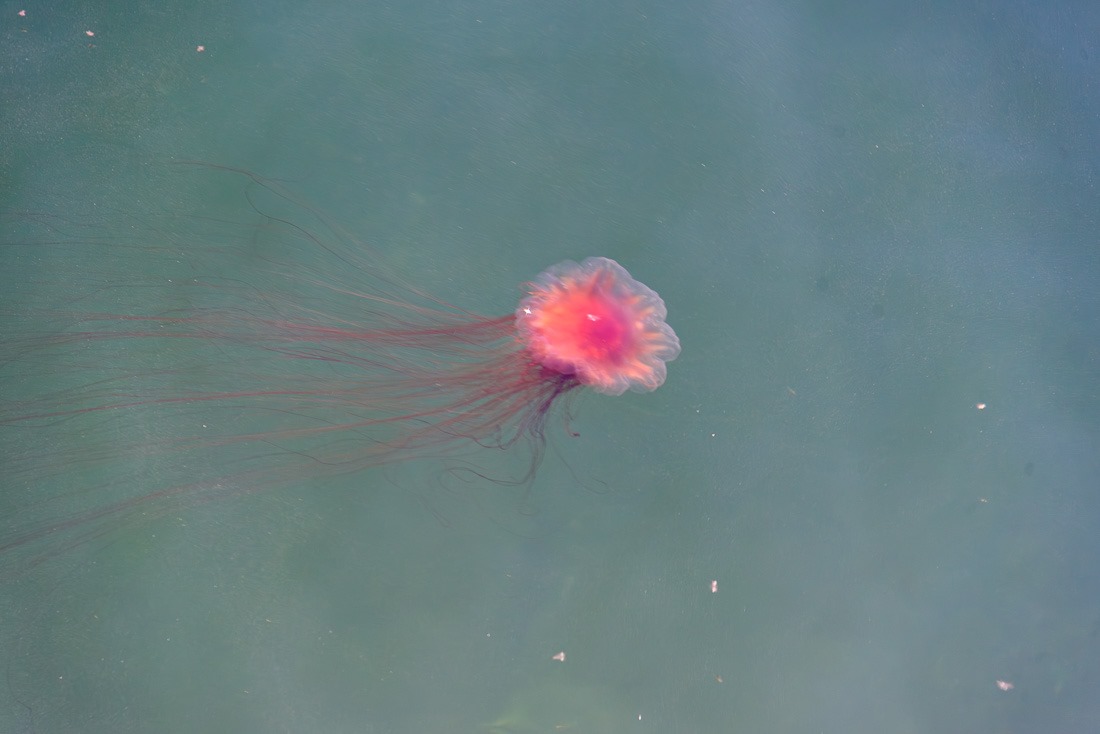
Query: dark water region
[875,230]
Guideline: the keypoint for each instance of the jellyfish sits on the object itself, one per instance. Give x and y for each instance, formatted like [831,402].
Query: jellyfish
[253,382]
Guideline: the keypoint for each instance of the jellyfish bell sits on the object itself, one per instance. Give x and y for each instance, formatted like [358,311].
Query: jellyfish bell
[594,321]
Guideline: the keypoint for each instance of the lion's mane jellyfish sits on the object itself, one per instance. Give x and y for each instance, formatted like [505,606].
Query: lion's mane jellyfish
[252,384]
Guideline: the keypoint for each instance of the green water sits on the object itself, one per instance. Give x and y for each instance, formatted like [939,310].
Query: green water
[864,224]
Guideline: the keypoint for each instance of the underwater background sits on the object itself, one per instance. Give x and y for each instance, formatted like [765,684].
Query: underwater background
[875,229]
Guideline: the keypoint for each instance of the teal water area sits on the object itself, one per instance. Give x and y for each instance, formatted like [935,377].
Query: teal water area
[876,233]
